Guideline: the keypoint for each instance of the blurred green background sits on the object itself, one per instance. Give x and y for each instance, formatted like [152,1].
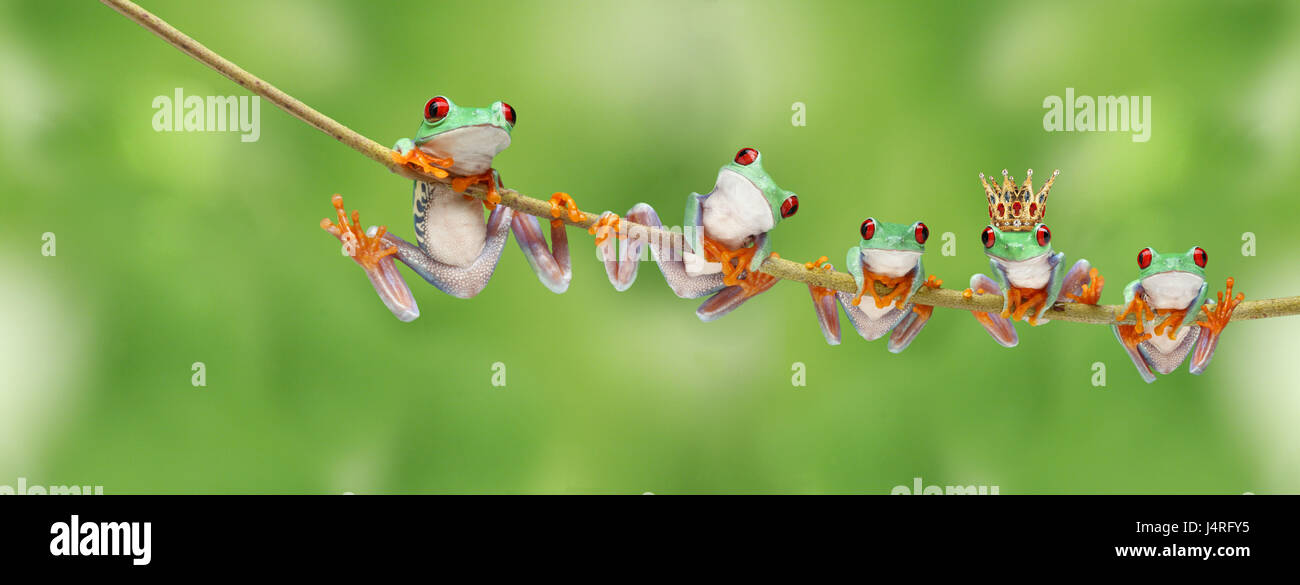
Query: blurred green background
[175,248]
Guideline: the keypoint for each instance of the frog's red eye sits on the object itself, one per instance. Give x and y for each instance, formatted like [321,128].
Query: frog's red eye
[988,237]
[746,156]
[509,113]
[1200,256]
[789,206]
[1044,235]
[1144,258]
[436,109]
[922,233]
[868,229]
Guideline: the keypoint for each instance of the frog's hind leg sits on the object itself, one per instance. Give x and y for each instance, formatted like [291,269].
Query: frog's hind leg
[872,322]
[1217,315]
[666,251]
[374,254]
[1130,338]
[907,329]
[726,300]
[552,265]
[1001,328]
[824,303]
[1082,284]
[1206,343]
[460,281]
[621,261]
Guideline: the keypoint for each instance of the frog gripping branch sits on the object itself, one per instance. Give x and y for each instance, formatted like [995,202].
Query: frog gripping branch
[725,239]
[456,249]
[1019,247]
[889,254]
[1171,288]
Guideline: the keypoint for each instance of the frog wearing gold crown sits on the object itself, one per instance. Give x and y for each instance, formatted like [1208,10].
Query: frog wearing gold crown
[1029,273]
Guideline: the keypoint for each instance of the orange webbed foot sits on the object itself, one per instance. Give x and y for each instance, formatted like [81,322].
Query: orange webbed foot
[1131,335]
[735,267]
[1028,305]
[418,160]
[607,224]
[1172,321]
[1134,334]
[1012,303]
[899,295]
[1091,291]
[366,250]
[1217,318]
[488,177]
[562,203]
[820,263]
[868,288]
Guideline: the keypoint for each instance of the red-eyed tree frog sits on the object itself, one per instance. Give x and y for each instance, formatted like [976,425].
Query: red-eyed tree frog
[1172,286]
[456,248]
[1029,273]
[889,254]
[725,234]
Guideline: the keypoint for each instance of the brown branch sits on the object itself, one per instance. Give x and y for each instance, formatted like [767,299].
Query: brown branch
[778,267]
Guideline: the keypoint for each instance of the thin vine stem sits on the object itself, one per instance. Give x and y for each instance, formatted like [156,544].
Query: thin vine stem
[778,267]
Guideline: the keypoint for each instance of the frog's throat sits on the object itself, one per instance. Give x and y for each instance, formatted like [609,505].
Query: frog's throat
[1033,272]
[736,210]
[887,262]
[1173,289]
[472,148]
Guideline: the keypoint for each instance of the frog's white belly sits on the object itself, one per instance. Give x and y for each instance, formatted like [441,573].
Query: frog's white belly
[450,228]
[868,307]
[1031,273]
[1162,342]
[1172,290]
[696,265]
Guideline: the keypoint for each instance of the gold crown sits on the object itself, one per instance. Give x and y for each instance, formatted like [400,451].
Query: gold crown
[1015,208]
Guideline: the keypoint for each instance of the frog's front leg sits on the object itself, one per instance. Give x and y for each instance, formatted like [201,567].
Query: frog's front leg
[461,281]
[405,153]
[1001,328]
[1132,336]
[1217,315]
[552,265]
[374,254]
